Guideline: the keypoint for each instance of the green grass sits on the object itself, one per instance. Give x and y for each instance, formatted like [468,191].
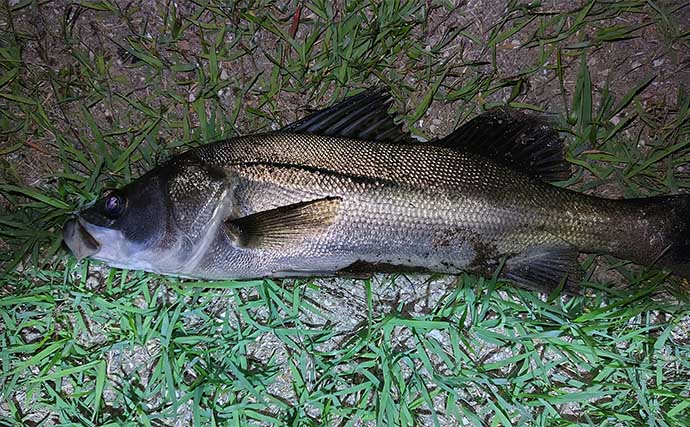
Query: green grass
[85,107]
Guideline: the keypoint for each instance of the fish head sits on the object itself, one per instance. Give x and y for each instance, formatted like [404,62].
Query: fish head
[157,223]
[124,225]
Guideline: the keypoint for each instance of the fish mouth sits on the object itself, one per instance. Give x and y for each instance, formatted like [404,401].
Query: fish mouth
[79,240]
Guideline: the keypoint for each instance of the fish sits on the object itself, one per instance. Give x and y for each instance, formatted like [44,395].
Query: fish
[346,191]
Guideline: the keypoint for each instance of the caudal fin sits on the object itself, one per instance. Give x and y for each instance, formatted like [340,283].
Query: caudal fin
[677,256]
[660,233]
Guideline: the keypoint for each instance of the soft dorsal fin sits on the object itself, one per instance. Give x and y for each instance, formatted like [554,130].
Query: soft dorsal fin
[363,116]
[284,226]
[522,141]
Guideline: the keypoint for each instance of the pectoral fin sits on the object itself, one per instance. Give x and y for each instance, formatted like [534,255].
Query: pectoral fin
[284,226]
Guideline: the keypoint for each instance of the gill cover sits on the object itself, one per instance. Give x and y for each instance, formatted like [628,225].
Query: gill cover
[196,193]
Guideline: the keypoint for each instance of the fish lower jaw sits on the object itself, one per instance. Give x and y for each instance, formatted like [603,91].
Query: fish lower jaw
[131,264]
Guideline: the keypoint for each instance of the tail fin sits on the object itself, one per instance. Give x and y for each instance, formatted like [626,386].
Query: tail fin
[660,233]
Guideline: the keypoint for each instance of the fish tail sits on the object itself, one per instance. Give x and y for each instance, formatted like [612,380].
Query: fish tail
[657,233]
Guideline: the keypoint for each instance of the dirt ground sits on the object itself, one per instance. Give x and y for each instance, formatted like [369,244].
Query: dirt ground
[47,44]
[53,30]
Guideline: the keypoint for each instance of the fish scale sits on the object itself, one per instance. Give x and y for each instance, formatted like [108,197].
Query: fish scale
[413,164]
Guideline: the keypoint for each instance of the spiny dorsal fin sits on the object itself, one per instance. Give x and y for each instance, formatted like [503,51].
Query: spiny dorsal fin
[545,268]
[284,226]
[363,116]
[522,141]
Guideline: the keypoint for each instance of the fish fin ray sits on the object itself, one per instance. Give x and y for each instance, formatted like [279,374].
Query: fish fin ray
[285,225]
[522,141]
[362,116]
[545,268]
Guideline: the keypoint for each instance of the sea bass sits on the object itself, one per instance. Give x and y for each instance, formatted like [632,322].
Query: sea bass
[346,190]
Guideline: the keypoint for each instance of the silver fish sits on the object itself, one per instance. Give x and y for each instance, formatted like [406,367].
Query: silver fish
[345,190]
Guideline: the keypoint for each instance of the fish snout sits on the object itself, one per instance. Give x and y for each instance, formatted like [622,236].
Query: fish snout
[78,240]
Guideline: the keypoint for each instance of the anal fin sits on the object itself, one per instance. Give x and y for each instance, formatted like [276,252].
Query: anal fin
[545,268]
[285,225]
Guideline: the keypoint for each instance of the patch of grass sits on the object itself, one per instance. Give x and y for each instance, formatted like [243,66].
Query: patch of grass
[99,92]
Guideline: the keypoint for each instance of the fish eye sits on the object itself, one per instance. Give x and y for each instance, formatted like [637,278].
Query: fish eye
[114,205]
